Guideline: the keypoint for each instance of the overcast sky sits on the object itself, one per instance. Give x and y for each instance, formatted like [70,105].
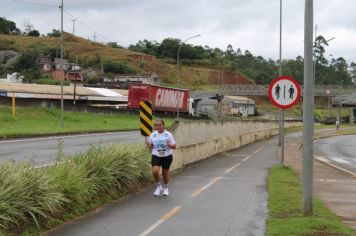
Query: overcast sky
[246,24]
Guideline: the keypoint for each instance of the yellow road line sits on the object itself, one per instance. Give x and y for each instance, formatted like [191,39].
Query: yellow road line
[199,191]
[160,221]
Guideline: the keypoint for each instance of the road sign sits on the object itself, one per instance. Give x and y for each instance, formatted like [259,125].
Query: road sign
[284,92]
[3,94]
[146,118]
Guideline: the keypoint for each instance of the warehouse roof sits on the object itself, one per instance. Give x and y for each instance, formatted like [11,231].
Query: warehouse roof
[53,91]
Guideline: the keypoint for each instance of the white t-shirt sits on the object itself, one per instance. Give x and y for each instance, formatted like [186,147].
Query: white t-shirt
[159,141]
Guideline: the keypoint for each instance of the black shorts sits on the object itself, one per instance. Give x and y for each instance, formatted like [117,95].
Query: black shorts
[165,162]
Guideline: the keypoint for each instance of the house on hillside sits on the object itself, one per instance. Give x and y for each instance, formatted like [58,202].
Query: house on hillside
[72,71]
[138,79]
[123,81]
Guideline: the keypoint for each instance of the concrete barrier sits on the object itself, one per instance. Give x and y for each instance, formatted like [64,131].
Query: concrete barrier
[198,140]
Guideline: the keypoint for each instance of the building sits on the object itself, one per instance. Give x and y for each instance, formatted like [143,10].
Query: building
[137,79]
[13,78]
[242,105]
[72,71]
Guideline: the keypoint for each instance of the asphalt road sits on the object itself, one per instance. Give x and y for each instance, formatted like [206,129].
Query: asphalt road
[224,195]
[338,150]
[45,150]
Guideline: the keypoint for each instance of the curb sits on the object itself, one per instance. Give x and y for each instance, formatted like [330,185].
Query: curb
[352,174]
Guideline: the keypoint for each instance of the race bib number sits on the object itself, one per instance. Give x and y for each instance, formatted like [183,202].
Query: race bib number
[161,153]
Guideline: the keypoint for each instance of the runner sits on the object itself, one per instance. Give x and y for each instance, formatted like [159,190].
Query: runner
[161,143]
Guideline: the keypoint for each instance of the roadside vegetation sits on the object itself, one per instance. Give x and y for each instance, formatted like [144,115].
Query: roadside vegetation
[201,65]
[285,207]
[41,121]
[34,199]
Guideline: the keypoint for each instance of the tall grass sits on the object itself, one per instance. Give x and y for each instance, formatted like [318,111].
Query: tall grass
[36,197]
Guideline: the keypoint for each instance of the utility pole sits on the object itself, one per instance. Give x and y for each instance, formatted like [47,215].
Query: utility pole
[308,107]
[94,36]
[74,20]
[281,111]
[62,68]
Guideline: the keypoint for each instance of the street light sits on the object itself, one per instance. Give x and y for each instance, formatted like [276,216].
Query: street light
[181,43]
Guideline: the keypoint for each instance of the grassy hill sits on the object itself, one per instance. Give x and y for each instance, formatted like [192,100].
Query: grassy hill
[84,51]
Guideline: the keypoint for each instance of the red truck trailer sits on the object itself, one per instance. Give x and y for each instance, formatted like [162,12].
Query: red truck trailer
[162,98]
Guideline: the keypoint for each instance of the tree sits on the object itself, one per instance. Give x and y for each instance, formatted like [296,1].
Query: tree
[28,65]
[353,72]
[113,45]
[8,27]
[319,50]
[169,48]
[55,33]
[145,46]
[230,53]
[34,33]
[340,71]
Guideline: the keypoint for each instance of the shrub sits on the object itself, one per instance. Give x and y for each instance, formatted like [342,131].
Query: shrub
[30,196]
[50,81]
[117,68]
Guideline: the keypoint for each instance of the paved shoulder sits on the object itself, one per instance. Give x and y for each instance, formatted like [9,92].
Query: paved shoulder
[225,195]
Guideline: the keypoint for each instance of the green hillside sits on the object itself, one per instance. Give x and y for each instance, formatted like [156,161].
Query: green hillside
[88,53]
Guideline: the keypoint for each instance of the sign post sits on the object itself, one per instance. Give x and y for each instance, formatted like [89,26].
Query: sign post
[146,118]
[284,92]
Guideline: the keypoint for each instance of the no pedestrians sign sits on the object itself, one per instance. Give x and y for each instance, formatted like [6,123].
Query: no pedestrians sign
[284,92]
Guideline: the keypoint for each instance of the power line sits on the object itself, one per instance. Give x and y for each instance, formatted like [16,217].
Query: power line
[86,26]
[74,18]
[35,3]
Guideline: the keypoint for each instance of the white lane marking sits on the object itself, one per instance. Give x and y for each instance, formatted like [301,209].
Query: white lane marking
[233,167]
[199,191]
[61,137]
[255,152]
[340,160]
[160,221]
[337,180]
[246,158]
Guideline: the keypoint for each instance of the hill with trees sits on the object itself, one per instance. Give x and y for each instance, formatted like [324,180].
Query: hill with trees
[201,66]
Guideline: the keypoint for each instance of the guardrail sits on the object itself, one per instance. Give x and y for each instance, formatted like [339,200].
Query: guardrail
[262,90]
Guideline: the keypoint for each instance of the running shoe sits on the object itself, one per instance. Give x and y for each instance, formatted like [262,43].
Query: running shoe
[158,190]
[165,191]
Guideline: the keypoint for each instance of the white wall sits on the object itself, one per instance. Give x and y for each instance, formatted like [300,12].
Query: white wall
[197,140]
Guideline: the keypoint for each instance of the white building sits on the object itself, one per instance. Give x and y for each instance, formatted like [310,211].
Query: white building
[13,78]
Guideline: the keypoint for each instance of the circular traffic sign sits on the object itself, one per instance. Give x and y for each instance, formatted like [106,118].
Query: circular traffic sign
[284,92]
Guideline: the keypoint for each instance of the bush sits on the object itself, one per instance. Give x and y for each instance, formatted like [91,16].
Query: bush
[30,196]
[117,68]
[51,81]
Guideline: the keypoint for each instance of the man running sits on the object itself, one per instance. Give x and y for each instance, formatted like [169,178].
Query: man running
[161,143]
